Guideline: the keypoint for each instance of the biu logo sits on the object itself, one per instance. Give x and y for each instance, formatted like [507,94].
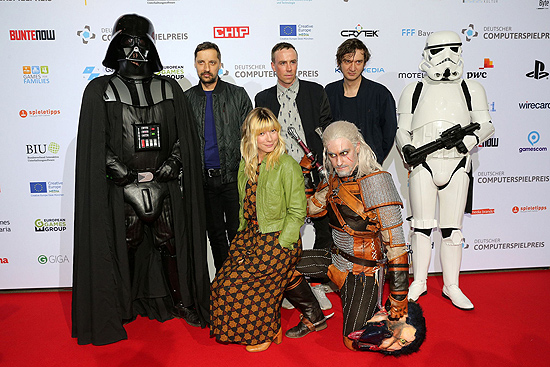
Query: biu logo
[539,72]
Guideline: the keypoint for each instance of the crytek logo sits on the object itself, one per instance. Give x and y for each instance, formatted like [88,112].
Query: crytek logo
[469,32]
[487,64]
[231,32]
[32,35]
[359,31]
[86,34]
[539,72]
[408,31]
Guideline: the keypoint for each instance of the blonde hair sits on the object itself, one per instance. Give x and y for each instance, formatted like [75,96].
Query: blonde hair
[366,159]
[257,121]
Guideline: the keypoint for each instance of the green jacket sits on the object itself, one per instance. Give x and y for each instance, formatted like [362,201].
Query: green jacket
[280,199]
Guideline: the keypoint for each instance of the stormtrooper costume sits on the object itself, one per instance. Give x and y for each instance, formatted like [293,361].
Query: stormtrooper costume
[441,100]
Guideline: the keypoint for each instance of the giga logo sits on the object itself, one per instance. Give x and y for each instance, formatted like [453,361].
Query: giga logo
[53,259]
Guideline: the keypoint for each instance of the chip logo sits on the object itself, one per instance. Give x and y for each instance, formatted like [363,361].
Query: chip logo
[231,32]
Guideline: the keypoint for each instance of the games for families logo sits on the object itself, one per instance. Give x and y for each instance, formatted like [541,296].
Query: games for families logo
[34,74]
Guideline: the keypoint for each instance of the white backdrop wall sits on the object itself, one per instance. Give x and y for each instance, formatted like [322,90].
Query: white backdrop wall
[52,48]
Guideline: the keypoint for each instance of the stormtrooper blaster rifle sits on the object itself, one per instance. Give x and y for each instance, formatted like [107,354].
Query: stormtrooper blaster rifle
[449,139]
[309,154]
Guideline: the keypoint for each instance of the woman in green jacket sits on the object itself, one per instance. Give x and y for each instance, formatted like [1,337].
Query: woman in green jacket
[248,289]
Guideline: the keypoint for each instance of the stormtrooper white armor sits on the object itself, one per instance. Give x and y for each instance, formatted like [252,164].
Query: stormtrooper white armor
[440,101]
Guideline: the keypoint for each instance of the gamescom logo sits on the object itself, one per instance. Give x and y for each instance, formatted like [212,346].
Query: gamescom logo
[86,34]
[51,188]
[50,225]
[231,32]
[53,259]
[358,31]
[38,113]
[295,31]
[36,74]
[538,72]
[533,138]
[528,209]
[32,35]
[469,32]
[5,226]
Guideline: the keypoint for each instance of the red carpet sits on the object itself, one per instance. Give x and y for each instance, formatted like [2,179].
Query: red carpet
[510,326]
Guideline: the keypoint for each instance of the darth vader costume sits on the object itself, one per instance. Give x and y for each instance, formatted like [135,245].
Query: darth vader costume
[139,243]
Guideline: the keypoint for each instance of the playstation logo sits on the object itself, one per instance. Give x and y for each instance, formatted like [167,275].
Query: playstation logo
[539,72]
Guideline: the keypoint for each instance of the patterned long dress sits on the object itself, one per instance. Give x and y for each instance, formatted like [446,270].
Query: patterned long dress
[247,291]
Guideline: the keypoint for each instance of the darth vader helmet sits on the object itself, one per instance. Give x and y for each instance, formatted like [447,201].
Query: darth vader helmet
[133,40]
[443,56]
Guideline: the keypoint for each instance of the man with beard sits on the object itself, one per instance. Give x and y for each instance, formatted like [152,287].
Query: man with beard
[220,109]
[364,209]
[139,243]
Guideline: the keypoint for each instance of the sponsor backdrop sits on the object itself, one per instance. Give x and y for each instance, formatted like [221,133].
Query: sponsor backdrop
[53,48]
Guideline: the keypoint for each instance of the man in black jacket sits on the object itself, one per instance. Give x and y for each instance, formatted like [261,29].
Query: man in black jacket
[369,105]
[304,106]
[220,109]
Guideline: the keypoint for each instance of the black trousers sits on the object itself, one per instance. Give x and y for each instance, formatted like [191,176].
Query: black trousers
[222,216]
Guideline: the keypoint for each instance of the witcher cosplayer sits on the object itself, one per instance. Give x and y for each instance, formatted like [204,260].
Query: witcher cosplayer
[139,243]
[364,211]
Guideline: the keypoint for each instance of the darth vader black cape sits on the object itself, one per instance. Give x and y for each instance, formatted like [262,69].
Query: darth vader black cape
[103,294]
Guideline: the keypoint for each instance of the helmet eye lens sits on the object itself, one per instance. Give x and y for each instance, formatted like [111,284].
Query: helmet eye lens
[435,51]
[454,49]
[129,41]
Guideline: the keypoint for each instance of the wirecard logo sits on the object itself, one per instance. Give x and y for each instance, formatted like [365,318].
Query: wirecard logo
[469,32]
[534,105]
[86,34]
[231,32]
[32,35]
[539,72]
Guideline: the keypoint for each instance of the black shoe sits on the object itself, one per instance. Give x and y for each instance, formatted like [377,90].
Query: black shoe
[305,327]
[189,314]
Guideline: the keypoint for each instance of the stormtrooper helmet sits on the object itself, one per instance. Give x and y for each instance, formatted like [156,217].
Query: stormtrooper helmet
[132,40]
[443,56]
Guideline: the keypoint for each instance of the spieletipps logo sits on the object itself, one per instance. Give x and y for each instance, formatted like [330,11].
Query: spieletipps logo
[538,72]
[296,31]
[50,225]
[39,152]
[85,34]
[36,74]
[359,31]
[32,35]
[469,33]
[43,188]
[533,138]
[529,209]
[5,226]
[53,259]
[231,32]
[38,113]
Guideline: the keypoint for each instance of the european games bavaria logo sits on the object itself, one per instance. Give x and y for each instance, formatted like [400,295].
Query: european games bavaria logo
[86,34]
[538,72]
[231,32]
[469,32]
[34,74]
[358,31]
